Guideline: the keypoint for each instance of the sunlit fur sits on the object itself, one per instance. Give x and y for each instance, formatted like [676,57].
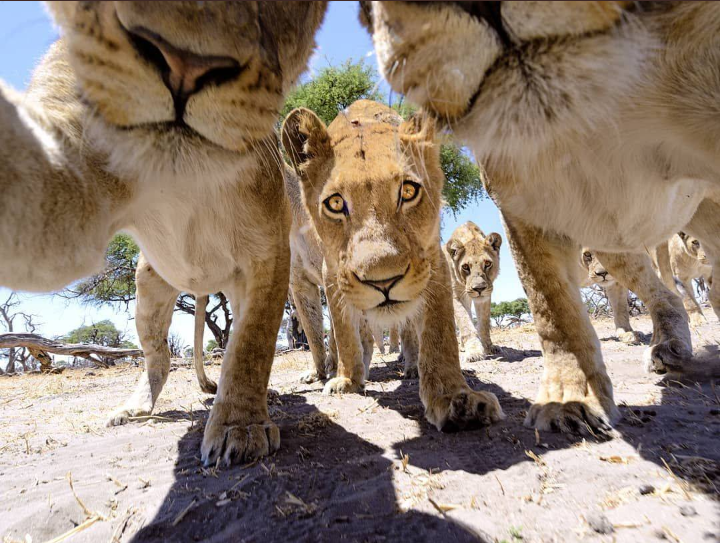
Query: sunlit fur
[364,157]
[474,261]
[96,146]
[597,124]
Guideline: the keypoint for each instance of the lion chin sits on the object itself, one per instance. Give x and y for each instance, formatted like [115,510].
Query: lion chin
[395,313]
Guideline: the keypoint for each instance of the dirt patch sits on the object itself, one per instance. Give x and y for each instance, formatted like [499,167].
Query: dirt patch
[363,467]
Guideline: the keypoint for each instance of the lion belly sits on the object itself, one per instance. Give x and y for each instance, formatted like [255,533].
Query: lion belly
[627,206]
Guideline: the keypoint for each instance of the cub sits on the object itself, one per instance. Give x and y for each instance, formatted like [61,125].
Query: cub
[372,184]
[474,261]
[595,273]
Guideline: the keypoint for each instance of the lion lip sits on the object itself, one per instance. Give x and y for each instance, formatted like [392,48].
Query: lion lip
[389,303]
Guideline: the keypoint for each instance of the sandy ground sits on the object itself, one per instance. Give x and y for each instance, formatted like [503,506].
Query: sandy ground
[363,467]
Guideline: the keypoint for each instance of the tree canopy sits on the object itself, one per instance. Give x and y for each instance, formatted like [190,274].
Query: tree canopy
[509,312]
[100,333]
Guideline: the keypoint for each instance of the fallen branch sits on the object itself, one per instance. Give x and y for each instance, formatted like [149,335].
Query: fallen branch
[40,346]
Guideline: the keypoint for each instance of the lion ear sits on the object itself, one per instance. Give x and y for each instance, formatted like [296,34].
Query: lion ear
[419,126]
[455,249]
[683,235]
[304,138]
[495,241]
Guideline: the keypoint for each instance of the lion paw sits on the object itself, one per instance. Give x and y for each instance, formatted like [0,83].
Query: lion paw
[410,372]
[209,387]
[231,443]
[629,337]
[573,417]
[342,385]
[125,413]
[667,356]
[464,410]
[311,376]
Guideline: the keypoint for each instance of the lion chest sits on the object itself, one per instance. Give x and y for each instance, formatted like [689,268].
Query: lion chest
[204,241]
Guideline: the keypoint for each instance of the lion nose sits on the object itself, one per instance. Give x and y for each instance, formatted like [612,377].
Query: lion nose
[183,72]
[602,274]
[480,288]
[383,285]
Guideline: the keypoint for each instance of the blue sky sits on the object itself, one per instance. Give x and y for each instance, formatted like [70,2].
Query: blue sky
[26,31]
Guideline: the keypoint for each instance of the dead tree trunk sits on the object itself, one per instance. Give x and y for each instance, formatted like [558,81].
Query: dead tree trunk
[39,347]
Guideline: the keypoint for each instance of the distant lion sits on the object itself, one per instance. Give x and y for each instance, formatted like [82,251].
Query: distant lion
[474,261]
[371,185]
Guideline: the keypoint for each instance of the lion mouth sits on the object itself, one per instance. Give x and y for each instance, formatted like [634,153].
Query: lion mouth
[389,303]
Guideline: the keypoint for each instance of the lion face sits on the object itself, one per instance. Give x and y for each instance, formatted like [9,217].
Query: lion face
[183,75]
[475,259]
[521,68]
[693,248]
[596,272]
[371,184]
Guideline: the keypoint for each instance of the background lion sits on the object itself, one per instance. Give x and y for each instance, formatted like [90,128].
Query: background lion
[372,187]
[474,261]
[157,119]
[579,111]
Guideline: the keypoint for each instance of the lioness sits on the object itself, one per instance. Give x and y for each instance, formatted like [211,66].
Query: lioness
[372,187]
[474,261]
[596,124]
[157,119]
[593,272]
[689,261]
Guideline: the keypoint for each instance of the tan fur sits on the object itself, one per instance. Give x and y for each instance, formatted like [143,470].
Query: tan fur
[305,281]
[578,111]
[98,144]
[688,260]
[474,261]
[593,272]
[382,254]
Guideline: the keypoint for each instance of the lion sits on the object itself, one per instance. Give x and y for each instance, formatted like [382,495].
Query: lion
[157,119]
[688,261]
[593,272]
[474,261]
[579,112]
[306,278]
[372,185]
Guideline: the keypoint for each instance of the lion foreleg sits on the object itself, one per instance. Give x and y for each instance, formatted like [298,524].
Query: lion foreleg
[153,315]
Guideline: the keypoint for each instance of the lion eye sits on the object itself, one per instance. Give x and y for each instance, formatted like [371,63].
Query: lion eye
[335,204]
[488,265]
[465,268]
[409,191]
[696,243]
[587,256]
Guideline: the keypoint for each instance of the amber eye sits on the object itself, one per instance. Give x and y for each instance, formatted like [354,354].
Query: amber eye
[696,244]
[335,204]
[488,265]
[409,191]
[466,269]
[587,256]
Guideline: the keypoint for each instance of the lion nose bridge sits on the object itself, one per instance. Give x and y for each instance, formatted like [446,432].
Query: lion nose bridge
[379,263]
[184,72]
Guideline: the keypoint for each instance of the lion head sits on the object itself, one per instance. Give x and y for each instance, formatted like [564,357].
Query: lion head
[178,81]
[519,70]
[474,259]
[372,185]
[596,272]
[693,248]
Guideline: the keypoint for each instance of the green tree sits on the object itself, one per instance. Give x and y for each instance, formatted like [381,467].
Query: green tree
[116,283]
[100,333]
[336,87]
[509,313]
[212,344]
